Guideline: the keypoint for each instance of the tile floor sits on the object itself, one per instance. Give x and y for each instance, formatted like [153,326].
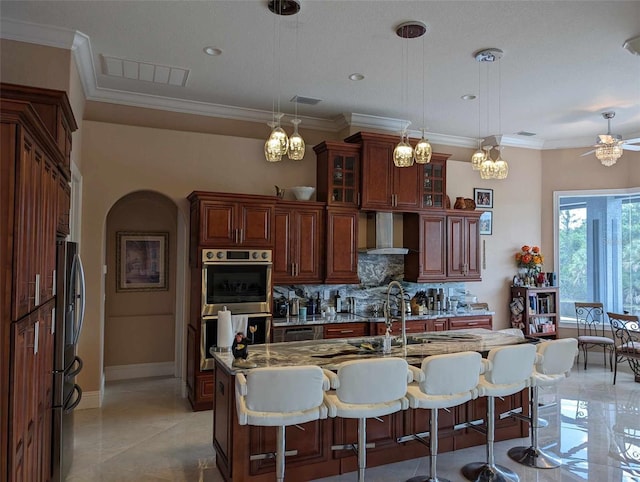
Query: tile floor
[146,432]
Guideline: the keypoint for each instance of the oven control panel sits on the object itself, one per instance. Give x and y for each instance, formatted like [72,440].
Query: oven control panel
[254,256]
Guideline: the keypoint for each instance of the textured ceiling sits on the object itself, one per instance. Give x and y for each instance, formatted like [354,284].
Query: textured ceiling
[563,61]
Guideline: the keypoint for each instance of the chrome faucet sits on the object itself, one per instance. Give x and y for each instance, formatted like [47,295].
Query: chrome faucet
[403,315]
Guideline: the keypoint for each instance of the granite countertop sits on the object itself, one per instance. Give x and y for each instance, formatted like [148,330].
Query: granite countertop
[351,318]
[330,353]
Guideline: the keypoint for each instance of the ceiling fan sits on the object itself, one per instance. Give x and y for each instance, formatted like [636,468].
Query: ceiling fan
[608,147]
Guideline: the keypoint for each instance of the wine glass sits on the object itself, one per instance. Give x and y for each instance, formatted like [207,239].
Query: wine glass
[252,330]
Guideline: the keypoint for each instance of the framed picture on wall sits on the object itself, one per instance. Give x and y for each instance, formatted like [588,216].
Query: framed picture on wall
[486,222]
[483,198]
[141,260]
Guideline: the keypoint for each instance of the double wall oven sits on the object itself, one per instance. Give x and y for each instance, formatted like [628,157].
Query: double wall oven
[240,280]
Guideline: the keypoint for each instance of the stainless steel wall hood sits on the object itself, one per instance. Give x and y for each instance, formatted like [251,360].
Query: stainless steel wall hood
[380,235]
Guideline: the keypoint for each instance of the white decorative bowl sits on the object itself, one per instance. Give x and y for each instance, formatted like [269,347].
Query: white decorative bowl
[302,193]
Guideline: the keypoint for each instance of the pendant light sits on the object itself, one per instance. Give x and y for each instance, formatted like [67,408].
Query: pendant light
[480,155]
[278,144]
[296,142]
[403,154]
[422,151]
[489,168]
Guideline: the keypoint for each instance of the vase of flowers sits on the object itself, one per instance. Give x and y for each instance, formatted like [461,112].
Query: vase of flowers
[530,260]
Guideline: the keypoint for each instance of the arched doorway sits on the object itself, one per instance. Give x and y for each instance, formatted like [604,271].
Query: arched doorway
[140,309]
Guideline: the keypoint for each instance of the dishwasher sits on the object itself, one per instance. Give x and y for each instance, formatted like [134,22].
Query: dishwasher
[297,333]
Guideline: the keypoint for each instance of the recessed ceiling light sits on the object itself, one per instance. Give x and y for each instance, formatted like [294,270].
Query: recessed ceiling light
[468,97]
[356,77]
[212,51]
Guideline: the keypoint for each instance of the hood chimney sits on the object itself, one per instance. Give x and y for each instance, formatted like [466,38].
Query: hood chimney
[380,234]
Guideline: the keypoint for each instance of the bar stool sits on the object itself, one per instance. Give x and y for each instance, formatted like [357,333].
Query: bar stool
[555,362]
[445,381]
[364,389]
[509,371]
[280,396]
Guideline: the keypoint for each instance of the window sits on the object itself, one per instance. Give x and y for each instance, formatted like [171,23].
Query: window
[597,247]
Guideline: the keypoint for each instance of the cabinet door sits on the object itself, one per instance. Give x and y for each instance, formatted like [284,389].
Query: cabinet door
[424,235]
[338,174]
[472,241]
[255,225]
[24,401]
[283,252]
[433,183]
[377,183]
[218,224]
[309,245]
[463,255]
[64,206]
[342,246]
[406,187]
[27,264]
[48,225]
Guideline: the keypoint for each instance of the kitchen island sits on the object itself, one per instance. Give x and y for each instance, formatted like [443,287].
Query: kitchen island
[315,459]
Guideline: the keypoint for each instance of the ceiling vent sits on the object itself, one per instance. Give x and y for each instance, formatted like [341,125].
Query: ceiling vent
[305,100]
[144,71]
[526,134]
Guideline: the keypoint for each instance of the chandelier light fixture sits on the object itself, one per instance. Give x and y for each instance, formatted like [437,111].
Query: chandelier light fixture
[608,154]
[489,168]
[403,154]
[278,143]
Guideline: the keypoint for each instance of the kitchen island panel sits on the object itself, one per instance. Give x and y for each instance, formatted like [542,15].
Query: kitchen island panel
[234,443]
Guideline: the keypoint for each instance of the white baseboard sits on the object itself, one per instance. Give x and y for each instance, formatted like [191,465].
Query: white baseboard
[139,370]
[90,400]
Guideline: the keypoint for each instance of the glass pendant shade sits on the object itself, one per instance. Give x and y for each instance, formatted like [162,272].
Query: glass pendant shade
[422,151]
[403,154]
[296,143]
[477,158]
[486,168]
[608,154]
[277,144]
[500,168]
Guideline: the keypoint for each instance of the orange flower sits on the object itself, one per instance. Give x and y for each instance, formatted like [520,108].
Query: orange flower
[530,258]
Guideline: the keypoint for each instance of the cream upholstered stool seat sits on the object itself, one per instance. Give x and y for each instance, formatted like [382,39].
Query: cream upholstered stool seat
[553,365]
[365,389]
[508,371]
[444,381]
[278,397]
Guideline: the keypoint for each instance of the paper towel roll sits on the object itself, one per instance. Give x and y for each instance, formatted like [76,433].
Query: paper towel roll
[225,332]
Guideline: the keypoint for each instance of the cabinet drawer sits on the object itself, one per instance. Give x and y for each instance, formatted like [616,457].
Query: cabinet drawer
[470,322]
[346,330]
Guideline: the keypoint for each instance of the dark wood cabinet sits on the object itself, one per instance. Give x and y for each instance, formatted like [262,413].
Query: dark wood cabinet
[342,246]
[425,236]
[232,220]
[462,322]
[338,174]
[35,148]
[463,249]
[298,254]
[385,186]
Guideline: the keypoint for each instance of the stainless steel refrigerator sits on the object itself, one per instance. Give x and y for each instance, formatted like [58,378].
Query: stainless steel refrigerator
[70,302]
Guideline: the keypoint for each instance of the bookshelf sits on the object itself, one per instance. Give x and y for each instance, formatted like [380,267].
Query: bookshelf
[534,310]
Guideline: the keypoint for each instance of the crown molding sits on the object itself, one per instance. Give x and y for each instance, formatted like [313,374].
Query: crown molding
[80,45]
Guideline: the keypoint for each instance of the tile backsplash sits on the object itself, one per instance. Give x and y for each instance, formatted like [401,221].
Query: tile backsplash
[375,272]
